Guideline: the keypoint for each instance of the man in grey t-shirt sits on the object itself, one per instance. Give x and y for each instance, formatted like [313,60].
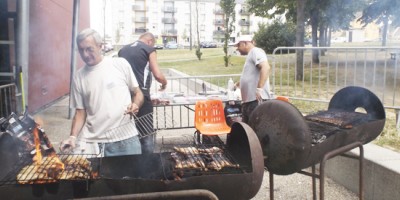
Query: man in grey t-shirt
[254,81]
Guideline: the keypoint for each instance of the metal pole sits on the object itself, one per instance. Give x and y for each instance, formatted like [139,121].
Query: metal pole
[75,22]
[23,47]
[104,25]
[190,11]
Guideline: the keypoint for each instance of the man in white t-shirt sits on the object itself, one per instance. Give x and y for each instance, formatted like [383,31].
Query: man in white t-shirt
[254,81]
[105,94]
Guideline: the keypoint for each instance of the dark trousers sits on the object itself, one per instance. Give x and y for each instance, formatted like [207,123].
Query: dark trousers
[247,109]
[145,126]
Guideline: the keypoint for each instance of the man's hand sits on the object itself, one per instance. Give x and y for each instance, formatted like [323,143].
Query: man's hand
[162,87]
[132,109]
[68,145]
[259,92]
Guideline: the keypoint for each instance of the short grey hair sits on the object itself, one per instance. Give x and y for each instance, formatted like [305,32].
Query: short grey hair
[89,32]
[148,35]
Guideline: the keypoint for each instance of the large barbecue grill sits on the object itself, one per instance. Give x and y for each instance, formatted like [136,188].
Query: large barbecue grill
[292,142]
[156,172]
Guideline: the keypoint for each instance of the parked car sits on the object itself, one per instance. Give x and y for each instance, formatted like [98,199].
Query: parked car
[307,41]
[208,45]
[159,46]
[171,45]
[339,39]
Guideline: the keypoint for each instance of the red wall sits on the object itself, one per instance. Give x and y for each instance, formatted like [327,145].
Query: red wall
[50,49]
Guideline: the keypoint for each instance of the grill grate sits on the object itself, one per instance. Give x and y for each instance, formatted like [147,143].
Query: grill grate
[76,167]
[340,119]
[143,125]
[186,160]
[326,123]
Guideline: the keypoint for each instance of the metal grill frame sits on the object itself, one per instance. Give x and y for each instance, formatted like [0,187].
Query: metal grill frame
[11,177]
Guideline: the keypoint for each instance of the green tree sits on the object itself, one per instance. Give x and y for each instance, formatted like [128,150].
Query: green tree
[291,8]
[228,6]
[382,11]
[275,35]
[198,51]
[321,15]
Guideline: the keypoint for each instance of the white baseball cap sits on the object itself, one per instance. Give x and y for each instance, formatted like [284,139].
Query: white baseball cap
[244,38]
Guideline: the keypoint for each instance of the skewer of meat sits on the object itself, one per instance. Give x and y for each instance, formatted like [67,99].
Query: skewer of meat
[215,164]
[211,150]
[177,159]
[196,156]
[226,161]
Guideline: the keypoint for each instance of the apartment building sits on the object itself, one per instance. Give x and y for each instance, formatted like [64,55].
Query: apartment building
[169,20]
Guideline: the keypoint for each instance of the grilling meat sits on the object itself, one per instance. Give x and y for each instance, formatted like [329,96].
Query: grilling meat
[342,119]
[52,168]
[30,175]
[77,161]
[201,158]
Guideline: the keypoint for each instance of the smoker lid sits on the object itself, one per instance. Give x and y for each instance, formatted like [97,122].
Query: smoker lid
[353,97]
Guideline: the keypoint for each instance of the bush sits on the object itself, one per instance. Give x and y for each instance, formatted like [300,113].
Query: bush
[277,34]
[198,53]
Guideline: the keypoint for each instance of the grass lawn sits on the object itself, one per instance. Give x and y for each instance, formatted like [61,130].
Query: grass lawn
[212,63]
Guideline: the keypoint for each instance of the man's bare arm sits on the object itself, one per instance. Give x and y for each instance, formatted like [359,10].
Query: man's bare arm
[158,75]
[78,121]
[137,101]
[264,73]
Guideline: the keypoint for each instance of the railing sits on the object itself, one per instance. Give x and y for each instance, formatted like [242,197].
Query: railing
[140,19]
[338,67]
[218,32]
[169,32]
[182,115]
[219,22]
[140,8]
[169,9]
[8,100]
[193,85]
[168,20]
[218,11]
[245,23]
[141,30]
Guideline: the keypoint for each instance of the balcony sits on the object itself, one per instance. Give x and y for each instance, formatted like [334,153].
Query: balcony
[244,12]
[168,20]
[141,19]
[218,11]
[139,8]
[169,32]
[245,23]
[219,22]
[141,30]
[218,32]
[245,32]
[169,9]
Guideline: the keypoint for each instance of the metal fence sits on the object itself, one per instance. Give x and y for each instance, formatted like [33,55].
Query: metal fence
[369,67]
[374,68]
[7,100]
[181,113]
[194,85]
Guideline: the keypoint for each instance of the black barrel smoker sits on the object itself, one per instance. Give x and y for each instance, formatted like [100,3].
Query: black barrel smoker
[292,142]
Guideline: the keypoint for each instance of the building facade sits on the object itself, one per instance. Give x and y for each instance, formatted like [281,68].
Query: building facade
[36,37]
[169,20]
